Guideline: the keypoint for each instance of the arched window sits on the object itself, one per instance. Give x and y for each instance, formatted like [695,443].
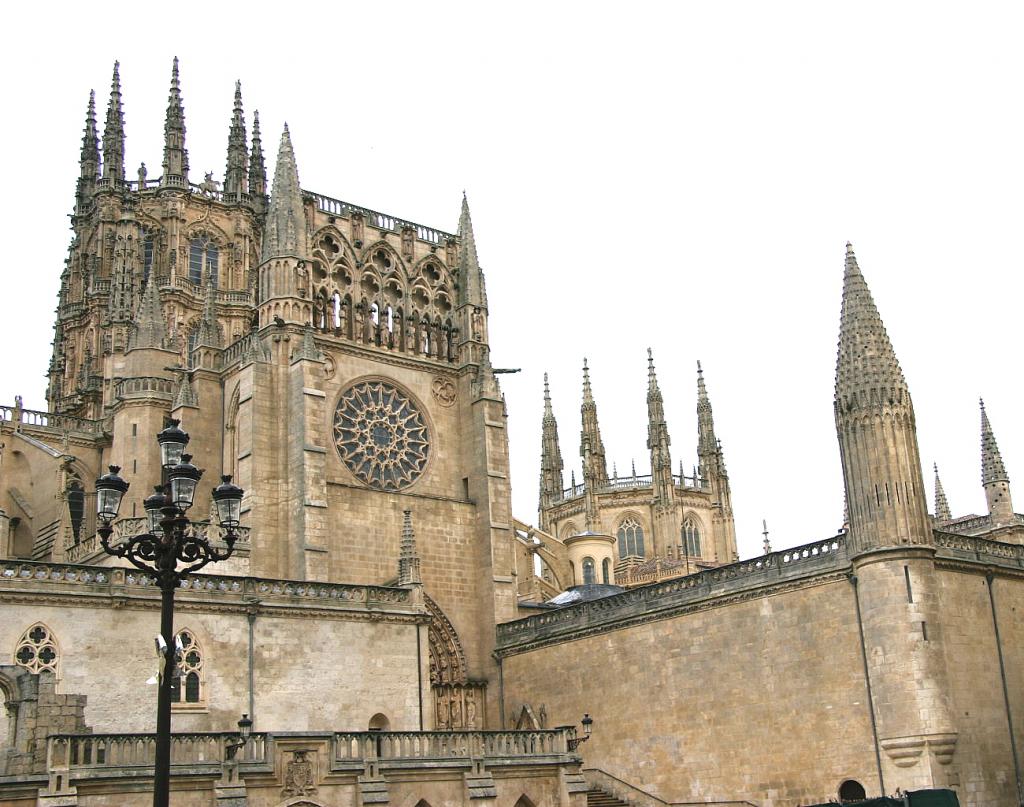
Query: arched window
[851,790]
[631,539]
[691,537]
[37,649]
[589,572]
[203,257]
[147,255]
[379,722]
[606,571]
[187,687]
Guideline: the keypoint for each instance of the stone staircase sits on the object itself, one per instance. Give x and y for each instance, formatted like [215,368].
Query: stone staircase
[599,798]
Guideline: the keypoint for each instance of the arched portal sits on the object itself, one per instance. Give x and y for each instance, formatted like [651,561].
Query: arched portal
[458,702]
[851,790]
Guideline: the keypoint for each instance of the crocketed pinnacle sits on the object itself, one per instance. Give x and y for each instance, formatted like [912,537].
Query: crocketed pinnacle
[285,233]
[90,159]
[707,443]
[208,334]
[867,371]
[307,347]
[941,503]
[655,405]
[408,559]
[257,165]
[550,454]
[588,393]
[175,153]
[658,440]
[149,320]
[470,274]
[992,468]
[236,172]
[184,395]
[113,132]
[595,470]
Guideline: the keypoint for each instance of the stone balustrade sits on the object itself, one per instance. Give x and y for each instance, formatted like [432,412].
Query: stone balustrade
[381,221]
[47,422]
[98,754]
[981,548]
[359,746]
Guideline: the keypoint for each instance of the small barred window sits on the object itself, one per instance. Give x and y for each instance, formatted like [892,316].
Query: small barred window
[187,686]
[37,650]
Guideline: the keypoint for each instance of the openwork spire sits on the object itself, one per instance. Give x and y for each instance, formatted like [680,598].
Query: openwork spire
[470,273]
[149,319]
[595,470]
[89,163]
[709,451]
[285,233]
[941,503]
[257,165]
[550,456]
[209,334]
[992,468]
[409,560]
[867,371]
[175,154]
[113,132]
[237,170]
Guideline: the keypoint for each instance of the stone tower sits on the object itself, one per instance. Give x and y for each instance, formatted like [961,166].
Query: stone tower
[890,541]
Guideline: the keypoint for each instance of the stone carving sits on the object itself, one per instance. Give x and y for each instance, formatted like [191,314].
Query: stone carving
[381,435]
[299,775]
[444,391]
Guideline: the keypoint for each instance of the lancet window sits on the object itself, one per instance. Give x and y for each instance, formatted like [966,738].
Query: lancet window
[148,249]
[203,259]
[631,539]
[187,687]
[589,572]
[691,537]
[37,649]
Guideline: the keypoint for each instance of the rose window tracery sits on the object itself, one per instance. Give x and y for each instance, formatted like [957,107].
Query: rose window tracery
[381,435]
[37,650]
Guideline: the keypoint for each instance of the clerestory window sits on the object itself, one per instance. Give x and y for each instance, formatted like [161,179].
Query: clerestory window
[589,572]
[631,539]
[203,258]
[691,537]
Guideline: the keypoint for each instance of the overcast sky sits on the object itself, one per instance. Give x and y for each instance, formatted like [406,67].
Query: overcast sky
[682,176]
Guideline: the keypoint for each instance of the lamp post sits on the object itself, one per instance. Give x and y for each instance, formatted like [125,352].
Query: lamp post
[575,741]
[159,551]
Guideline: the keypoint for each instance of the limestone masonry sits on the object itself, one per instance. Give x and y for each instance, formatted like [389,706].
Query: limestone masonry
[397,636]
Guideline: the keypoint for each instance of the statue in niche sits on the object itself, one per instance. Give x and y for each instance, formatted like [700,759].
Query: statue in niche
[359,317]
[456,711]
[477,320]
[470,711]
[442,711]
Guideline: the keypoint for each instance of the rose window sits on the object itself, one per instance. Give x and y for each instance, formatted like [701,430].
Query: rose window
[381,435]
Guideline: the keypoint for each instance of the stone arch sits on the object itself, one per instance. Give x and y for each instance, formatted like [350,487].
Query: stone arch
[851,790]
[379,722]
[568,530]
[524,801]
[385,268]
[447,658]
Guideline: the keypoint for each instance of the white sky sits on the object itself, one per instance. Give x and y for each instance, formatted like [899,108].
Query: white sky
[682,176]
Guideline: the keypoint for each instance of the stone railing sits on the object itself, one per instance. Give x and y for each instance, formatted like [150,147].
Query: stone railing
[69,310]
[238,296]
[635,482]
[358,746]
[143,385]
[981,548]
[598,779]
[381,221]
[645,602]
[101,754]
[49,422]
[30,573]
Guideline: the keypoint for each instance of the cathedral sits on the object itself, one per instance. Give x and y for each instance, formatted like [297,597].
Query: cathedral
[395,634]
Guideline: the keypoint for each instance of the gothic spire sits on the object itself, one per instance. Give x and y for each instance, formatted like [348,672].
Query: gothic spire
[209,334]
[708,447]
[113,132]
[149,320]
[257,165]
[285,232]
[994,478]
[941,503]
[175,153]
[658,440]
[184,395]
[550,457]
[876,427]
[236,173]
[89,167]
[470,274]
[867,371]
[408,560]
[595,469]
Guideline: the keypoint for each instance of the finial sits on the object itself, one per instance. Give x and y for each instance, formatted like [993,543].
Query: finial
[767,545]
[849,248]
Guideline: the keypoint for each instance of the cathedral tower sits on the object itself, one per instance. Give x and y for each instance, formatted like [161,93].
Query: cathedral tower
[890,540]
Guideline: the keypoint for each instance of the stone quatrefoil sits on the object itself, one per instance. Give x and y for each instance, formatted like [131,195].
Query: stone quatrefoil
[381,435]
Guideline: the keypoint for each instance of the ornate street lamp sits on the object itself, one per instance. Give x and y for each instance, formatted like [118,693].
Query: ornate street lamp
[574,740]
[171,539]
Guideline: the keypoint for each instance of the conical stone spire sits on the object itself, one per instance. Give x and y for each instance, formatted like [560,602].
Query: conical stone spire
[471,275]
[89,164]
[209,334]
[409,559]
[149,320]
[941,503]
[257,165]
[285,233]
[113,132]
[175,153]
[236,174]
[876,427]
[551,466]
[994,478]
[658,440]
